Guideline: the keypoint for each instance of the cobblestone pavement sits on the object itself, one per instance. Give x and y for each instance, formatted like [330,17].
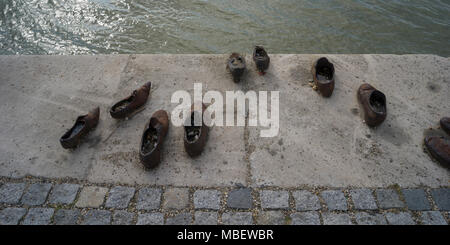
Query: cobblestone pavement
[31,201]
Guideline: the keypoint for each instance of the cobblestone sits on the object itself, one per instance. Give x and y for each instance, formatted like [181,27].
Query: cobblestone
[47,203]
[10,193]
[92,197]
[363,199]
[176,198]
[207,199]
[335,200]
[205,218]
[64,193]
[237,218]
[388,198]
[271,218]
[442,198]
[306,218]
[122,217]
[416,199]
[306,201]
[400,218]
[119,197]
[432,218]
[36,194]
[150,219]
[66,217]
[274,199]
[240,198]
[336,219]
[11,216]
[97,217]
[38,216]
[363,218]
[149,198]
[180,219]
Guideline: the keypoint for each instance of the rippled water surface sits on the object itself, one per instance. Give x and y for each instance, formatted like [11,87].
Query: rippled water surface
[218,26]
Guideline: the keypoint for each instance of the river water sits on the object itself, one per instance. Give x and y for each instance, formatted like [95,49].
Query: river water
[219,26]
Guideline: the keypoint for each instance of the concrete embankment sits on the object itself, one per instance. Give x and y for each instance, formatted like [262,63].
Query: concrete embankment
[321,142]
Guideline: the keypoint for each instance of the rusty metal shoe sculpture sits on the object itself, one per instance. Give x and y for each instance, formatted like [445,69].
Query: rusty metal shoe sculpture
[195,135]
[261,59]
[323,76]
[152,139]
[445,124]
[373,104]
[439,149]
[236,65]
[130,104]
[82,126]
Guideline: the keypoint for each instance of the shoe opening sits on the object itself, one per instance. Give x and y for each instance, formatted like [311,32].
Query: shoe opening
[192,131]
[260,52]
[378,101]
[150,140]
[79,125]
[324,69]
[236,60]
[124,103]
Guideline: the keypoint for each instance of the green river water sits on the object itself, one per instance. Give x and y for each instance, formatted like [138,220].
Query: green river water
[217,26]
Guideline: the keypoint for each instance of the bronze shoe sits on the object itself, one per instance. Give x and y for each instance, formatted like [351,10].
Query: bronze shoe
[152,139]
[130,104]
[445,124]
[323,75]
[236,65]
[373,104]
[82,126]
[439,148]
[195,136]
[261,59]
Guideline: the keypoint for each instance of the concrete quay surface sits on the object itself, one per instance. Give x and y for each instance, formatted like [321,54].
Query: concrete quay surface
[322,142]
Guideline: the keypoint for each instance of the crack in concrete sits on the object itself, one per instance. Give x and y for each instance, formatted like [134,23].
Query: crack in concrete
[247,149]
